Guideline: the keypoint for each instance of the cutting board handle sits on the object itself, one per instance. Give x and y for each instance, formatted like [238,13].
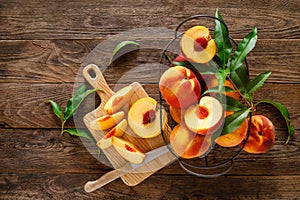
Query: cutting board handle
[96,79]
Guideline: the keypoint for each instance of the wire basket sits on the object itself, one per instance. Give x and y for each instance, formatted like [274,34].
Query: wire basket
[219,160]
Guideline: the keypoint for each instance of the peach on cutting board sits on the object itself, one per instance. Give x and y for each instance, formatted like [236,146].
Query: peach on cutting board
[118,100]
[197,45]
[179,87]
[262,135]
[205,117]
[128,150]
[187,144]
[117,131]
[144,118]
[107,121]
[234,138]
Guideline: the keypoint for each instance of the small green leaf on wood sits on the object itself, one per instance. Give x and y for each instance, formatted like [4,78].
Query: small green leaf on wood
[244,47]
[257,82]
[74,102]
[79,133]
[120,49]
[222,40]
[56,109]
[233,121]
[286,115]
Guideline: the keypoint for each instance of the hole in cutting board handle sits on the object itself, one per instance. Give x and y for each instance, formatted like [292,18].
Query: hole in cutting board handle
[92,73]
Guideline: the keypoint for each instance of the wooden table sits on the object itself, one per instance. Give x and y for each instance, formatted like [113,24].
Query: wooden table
[42,46]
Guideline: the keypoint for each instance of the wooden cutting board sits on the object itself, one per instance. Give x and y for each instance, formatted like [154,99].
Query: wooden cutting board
[138,175]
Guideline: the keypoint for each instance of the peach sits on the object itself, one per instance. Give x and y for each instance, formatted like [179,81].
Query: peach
[176,114]
[187,144]
[234,138]
[262,135]
[144,118]
[197,45]
[118,100]
[179,58]
[179,87]
[205,117]
[107,121]
[213,82]
[117,131]
[128,150]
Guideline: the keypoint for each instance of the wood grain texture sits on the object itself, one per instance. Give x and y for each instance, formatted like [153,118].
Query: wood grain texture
[43,44]
[98,19]
[59,61]
[69,186]
[45,151]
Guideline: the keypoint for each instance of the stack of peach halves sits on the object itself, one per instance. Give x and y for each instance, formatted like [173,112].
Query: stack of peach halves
[200,117]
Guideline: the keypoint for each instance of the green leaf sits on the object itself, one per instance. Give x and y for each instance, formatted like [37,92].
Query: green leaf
[232,104]
[233,121]
[222,40]
[257,82]
[56,109]
[74,102]
[285,113]
[216,90]
[79,133]
[244,47]
[121,47]
[240,79]
[71,101]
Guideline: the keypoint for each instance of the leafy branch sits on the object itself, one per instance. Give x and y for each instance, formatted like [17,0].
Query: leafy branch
[233,69]
[70,110]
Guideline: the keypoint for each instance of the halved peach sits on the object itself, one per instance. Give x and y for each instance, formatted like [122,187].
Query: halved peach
[205,117]
[234,138]
[144,117]
[128,150]
[197,45]
[117,131]
[188,144]
[107,121]
[118,100]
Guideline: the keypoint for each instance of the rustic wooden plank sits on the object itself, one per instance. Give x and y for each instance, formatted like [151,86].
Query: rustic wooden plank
[23,105]
[46,151]
[97,19]
[70,186]
[49,61]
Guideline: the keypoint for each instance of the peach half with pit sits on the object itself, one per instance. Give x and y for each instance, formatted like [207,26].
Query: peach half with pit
[179,87]
[188,144]
[107,121]
[197,45]
[234,138]
[117,131]
[262,135]
[205,117]
[144,117]
[128,150]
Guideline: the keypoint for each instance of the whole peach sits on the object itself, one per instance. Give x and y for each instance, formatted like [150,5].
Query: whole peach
[187,144]
[179,87]
[262,135]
